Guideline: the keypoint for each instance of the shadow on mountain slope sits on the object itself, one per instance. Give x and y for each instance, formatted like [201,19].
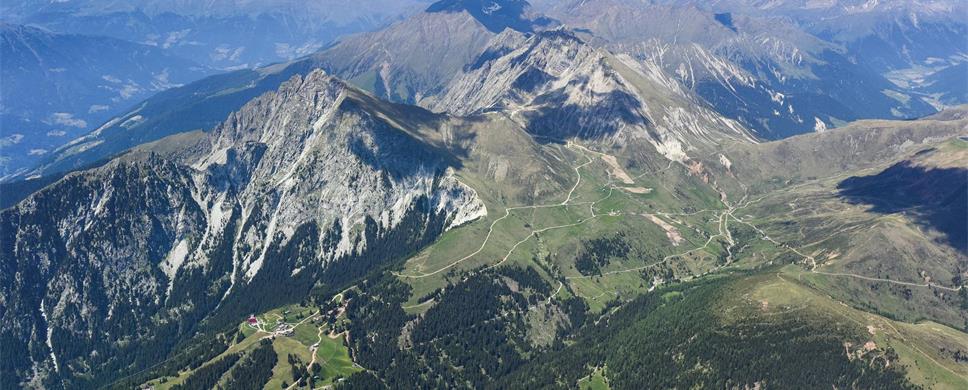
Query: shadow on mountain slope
[609,113]
[932,197]
[495,15]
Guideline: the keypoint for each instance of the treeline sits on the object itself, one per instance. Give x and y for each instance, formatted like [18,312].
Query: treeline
[208,376]
[301,374]
[253,372]
[200,350]
[474,333]
[419,227]
[677,340]
[596,253]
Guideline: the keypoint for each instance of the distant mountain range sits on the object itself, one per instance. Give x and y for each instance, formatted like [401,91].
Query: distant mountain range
[69,66]
[219,34]
[882,34]
[763,71]
[776,69]
[57,87]
[382,63]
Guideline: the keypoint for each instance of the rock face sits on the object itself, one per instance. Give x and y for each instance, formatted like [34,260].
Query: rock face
[496,15]
[414,59]
[769,74]
[447,51]
[409,59]
[405,62]
[303,187]
[765,72]
[563,88]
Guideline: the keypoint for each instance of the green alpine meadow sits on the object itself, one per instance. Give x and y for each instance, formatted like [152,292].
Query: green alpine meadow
[484,194]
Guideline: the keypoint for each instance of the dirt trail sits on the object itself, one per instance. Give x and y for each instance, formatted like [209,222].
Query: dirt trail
[312,350]
[560,285]
[723,228]
[507,212]
[813,263]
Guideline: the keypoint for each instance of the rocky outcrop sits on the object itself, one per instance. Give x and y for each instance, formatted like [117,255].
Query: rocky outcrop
[560,88]
[303,187]
[765,72]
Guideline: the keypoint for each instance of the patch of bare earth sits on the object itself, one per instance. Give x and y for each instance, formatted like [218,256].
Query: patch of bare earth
[671,232]
[616,170]
[637,190]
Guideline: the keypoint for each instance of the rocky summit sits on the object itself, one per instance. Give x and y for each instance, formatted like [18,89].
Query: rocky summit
[607,194]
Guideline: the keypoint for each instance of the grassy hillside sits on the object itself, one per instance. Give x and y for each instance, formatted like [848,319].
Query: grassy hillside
[309,351]
[758,267]
[744,330]
[899,260]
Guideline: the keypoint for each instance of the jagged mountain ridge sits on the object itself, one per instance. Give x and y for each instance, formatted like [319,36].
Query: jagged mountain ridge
[884,34]
[306,185]
[764,72]
[387,63]
[268,199]
[384,63]
[564,88]
[900,39]
[449,34]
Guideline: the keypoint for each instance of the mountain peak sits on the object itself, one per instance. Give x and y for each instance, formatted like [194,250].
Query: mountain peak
[496,15]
